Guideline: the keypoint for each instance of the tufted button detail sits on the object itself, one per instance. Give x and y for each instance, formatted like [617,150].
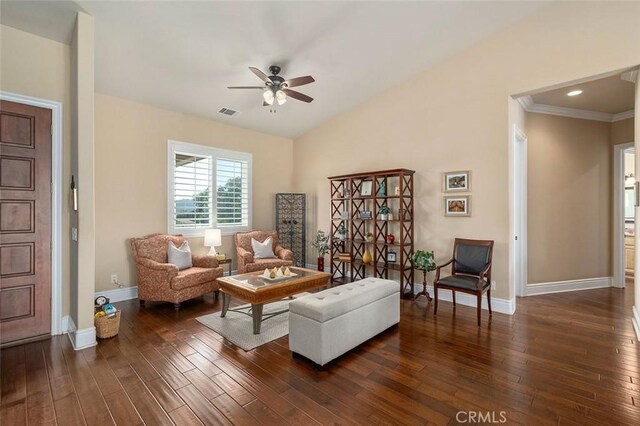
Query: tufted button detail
[320,298]
[336,293]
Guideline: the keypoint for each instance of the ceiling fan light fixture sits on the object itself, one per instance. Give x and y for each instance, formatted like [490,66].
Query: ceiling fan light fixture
[268,96]
[281,97]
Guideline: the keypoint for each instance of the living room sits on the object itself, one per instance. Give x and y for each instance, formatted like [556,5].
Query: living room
[448,109]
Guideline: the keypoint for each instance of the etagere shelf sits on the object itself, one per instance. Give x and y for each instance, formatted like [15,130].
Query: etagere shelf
[355,197]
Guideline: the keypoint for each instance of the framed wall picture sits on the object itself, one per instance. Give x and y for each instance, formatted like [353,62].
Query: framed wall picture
[457,206]
[344,215]
[366,188]
[392,257]
[366,214]
[457,181]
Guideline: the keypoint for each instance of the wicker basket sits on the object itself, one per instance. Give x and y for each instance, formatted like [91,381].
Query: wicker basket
[107,326]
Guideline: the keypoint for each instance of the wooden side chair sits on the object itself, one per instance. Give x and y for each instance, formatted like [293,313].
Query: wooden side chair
[470,272]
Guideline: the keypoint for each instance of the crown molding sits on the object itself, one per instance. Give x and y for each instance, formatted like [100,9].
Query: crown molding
[630,76]
[529,105]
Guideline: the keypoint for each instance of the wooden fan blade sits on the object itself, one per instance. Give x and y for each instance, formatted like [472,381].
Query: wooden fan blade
[262,76]
[297,95]
[245,87]
[299,81]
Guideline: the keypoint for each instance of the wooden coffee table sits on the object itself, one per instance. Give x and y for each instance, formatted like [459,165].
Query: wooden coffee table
[256,290]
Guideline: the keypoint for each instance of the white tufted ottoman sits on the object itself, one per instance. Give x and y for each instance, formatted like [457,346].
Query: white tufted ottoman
[324,325]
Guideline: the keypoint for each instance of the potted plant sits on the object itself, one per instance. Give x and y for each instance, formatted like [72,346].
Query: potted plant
[321,243]
[424,260]
[384,212]
[342,231]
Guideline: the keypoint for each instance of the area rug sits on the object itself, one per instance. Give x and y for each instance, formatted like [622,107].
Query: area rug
[238,328]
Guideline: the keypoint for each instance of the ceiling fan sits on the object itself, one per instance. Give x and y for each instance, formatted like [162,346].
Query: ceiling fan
[276,89]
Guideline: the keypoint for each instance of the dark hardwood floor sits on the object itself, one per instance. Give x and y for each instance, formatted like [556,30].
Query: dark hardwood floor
[561,359]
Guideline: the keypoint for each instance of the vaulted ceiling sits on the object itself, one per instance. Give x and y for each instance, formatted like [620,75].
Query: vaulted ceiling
[182,55]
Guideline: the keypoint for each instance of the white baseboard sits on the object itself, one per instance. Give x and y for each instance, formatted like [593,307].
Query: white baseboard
[80,339]
[570,285]
[635,320]
[504,306]
[120,294]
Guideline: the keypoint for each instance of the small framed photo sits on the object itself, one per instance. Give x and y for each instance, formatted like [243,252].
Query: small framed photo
[366,188]
[457,181]
[396,190]
[457,206]
[366,214]
[392,257]
[344,215]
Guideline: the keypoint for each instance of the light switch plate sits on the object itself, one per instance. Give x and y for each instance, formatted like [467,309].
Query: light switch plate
[74,234]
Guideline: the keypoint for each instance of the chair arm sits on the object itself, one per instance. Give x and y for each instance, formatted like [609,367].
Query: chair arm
[483,273]
[246,255]
[205,261]
[151,264]
[441,266]
[283,253]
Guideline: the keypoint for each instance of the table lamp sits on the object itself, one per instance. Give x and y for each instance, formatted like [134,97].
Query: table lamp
[212,238]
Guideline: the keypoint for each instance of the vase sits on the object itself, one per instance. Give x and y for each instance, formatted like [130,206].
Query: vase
[366,257]
[321,264]
[390,238]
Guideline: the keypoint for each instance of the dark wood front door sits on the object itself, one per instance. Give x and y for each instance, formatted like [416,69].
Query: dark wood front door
[25,222]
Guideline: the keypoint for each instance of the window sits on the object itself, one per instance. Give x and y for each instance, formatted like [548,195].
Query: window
[208,188]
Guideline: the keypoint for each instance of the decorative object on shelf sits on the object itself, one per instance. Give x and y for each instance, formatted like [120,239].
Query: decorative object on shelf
[384,212]
[457,181]
[396,190]
[390,216]
[346,192]
[366,257]
[369,238]
[404,214]
[390,238]
[392,257]
[321,243]
[366,188]
[344,215]
[424,261]
[366,214]
[212,238]
[291,225]
[457,206]
[345,257]
[342,231]
[382,189]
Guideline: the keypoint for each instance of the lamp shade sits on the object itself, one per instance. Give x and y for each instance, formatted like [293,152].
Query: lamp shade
[212,238]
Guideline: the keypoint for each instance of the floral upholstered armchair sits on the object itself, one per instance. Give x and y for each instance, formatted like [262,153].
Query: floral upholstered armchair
[164,282]
[246,259]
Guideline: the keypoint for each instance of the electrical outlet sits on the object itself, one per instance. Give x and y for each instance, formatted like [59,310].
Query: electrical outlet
[493,284]
[74,234]
[114,279]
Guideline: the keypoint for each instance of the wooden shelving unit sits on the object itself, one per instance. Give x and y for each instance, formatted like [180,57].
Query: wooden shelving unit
[347,205]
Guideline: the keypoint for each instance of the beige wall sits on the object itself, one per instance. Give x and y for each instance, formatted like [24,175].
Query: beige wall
[131,176]
[454,116]
[568,198]
[38,67]
[622,131]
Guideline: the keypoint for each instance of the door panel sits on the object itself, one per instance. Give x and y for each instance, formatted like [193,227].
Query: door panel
[25,222]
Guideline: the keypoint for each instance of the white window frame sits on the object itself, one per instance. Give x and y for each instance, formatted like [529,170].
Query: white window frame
[174,147]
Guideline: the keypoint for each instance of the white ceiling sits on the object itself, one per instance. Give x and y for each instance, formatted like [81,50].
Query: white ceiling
[182,55]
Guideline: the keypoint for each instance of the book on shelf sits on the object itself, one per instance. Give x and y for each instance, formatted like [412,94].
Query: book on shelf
[344,256]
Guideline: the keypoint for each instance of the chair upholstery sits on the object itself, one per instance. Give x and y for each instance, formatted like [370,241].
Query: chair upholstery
[246,262]
[470,272]
[163,282]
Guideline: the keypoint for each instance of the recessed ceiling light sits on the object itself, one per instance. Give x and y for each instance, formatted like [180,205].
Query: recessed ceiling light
[574,93]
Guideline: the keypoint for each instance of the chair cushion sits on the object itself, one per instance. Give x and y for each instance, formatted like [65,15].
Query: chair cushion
[461,281]
[179,256]
[471,259]
[193,276]
[262,250]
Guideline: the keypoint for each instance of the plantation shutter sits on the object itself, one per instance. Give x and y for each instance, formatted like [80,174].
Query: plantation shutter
[232,200]
[192,203]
